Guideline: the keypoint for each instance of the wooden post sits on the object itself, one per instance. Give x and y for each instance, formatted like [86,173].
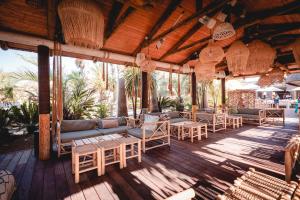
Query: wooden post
[223,92]
[144,90]
[44,102]
[194,90]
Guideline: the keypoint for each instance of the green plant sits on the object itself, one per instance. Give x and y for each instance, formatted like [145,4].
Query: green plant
[102,110]
[5,120]
[179,104]
[28,115]
[165,102]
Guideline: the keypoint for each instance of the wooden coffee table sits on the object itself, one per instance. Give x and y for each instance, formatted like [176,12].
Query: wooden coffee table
[193,130]
[110,149]
[235,121]
[178,128]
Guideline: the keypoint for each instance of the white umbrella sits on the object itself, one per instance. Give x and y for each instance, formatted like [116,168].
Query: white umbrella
[295,89]
[269,89]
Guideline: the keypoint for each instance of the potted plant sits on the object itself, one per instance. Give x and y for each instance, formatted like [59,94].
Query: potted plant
[5,120]
[28,115]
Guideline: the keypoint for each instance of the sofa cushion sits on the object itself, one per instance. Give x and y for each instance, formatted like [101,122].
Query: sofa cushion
[137,132]
[247,116]
[69,136]
[121,120]
[204,117]
[151,118]
[110,123]
[174,114]
[77,125]
[250,111]
[120,129]
[175,120]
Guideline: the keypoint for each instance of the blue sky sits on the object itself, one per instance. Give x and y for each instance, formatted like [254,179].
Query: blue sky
[11,61]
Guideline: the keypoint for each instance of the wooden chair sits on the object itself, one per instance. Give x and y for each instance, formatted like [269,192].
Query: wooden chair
[161,134]
[215,121]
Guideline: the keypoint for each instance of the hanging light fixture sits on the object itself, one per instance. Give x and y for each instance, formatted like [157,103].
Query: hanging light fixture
[212,54]
[145,62]
[205,71]
[223,31]
[296,51]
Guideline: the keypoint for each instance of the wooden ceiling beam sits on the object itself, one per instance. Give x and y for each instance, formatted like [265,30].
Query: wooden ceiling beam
[215,5]
[112,17]
[254,17]
[120,21]
[163,18]
[51,18]
[189,33]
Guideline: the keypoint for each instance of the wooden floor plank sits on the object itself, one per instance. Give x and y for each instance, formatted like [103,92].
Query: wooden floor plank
[209,166]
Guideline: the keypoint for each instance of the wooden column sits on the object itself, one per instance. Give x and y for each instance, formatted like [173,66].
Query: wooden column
[223,91]
[194,96]
[144,90]
[44,102]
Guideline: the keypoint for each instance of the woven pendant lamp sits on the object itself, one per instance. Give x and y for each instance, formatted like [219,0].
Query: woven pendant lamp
[264,81]
[296,51]
[186,68]
[261,57]
[237,58]
[212,54]
[274,76]
[205,72]
[82,23]
[223,31]
[148,65]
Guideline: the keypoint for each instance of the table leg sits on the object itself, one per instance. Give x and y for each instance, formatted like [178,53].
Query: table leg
[121,156]
[191,132]
[103,160]
[76,168]
[99,165]
[199,132]
[139,151]
[206,135]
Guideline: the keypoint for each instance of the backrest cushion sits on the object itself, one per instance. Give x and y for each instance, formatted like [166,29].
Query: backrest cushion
[174,114]
[249,111]
[77,125]
[121,121]
[110,123]
[150,118]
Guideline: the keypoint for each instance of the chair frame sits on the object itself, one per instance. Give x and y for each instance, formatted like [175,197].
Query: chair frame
[161,133]
[217,123]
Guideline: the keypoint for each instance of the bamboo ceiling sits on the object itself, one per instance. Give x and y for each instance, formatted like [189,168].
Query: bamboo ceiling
[270,20]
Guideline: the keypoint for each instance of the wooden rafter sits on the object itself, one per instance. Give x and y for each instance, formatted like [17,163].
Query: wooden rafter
[120,20]
[169,10]
[189,33]
[112,17]
[215,5]
[51,18]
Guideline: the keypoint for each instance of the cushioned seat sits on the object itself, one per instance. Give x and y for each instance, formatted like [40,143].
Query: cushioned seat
[120,129]
[247,116]
[137,132]
[180,119]
[73,135]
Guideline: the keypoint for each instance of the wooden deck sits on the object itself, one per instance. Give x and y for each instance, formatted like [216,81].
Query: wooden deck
[209,166]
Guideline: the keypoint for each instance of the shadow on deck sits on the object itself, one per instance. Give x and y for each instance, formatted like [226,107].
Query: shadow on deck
[209,166]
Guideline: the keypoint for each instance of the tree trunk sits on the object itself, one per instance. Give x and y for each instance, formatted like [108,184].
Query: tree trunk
[154,100]
[122,101]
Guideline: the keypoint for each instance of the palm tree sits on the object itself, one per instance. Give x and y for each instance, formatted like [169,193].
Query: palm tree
[122,100]
[202,94]
[154,98]
[132,78]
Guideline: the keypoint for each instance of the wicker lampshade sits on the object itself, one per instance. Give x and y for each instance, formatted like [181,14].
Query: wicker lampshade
[223,31]
[186,68]
[237,58]
[205,72]
[82,23]
[261,57]
[148,65]
[296,51]
[274,76]
[213,53]
[264,81]
[140,57]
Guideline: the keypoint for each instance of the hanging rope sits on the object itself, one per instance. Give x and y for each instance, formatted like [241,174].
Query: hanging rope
[170,82]
[178,86]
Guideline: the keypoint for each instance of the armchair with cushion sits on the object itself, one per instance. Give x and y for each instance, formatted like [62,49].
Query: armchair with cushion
[215,121]
[156,131]
[251,114]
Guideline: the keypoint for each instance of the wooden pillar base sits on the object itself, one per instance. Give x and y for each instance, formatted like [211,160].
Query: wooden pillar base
[44,136]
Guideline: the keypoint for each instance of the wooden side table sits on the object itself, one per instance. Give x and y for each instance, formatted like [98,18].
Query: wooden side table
[178,128]
[235,121]
[134,147]
[85,158]
[194,130]
[111,153]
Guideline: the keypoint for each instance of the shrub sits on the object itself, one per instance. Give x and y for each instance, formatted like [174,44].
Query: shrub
[5,120]
[102,111]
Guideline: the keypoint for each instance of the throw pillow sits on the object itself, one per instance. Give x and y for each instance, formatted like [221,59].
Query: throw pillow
[150,118]
[110,123]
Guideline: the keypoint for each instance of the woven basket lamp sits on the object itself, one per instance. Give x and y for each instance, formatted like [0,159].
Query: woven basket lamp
[261,57]
[264,81]
[223,31]
[148,65]
[82,23]
[212,54]
[186,68]
[237,58]
[276,75]
[296,51]
[205,72]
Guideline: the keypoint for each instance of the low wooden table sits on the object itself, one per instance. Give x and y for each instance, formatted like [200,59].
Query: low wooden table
[194,130]
[235,121]
[177,128]
[110,149]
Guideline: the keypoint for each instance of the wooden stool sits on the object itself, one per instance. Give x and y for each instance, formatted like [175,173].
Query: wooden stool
[135,150]
[85,158]
[111,153]
[235,121]
[194,130]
